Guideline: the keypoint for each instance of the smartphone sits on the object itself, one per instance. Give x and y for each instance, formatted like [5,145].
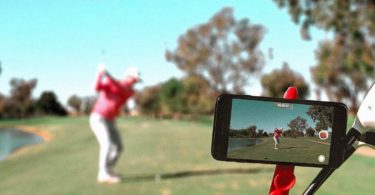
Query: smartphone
[278,131]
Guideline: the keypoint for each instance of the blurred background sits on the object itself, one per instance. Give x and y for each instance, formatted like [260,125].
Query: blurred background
[187,53]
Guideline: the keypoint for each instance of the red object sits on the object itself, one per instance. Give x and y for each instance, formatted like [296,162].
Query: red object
[277,132]
[323,135]
[113,94]
[283,177]
[291,93]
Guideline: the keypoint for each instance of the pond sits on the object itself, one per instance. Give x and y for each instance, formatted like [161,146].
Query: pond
[12,139]
[238,143]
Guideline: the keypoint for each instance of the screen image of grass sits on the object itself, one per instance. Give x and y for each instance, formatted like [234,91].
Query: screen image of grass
[301,150]
[252,128]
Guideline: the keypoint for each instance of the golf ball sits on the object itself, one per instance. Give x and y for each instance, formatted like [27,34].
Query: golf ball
[321,158]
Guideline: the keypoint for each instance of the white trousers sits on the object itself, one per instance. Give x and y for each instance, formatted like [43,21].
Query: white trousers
[276,140]
[109,142]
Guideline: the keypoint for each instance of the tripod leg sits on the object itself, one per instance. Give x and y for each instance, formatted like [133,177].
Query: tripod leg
[324,175]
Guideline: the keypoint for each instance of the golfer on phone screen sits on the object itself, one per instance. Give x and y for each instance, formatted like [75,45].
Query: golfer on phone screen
[276,134]
[113,94]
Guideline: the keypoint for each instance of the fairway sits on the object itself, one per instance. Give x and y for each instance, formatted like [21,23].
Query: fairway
[300,149]
[163,157]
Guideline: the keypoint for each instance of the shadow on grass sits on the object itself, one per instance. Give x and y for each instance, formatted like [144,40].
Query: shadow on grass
[184,174]
[291,147]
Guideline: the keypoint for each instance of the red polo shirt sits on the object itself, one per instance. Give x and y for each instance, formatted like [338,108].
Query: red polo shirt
[113,94]
[277,133]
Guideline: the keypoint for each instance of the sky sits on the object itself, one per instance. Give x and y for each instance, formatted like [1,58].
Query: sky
[266,115]
[61,42]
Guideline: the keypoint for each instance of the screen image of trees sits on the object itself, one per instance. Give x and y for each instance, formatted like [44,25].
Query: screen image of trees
[322,116]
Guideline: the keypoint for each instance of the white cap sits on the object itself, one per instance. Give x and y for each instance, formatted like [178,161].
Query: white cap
[133,72]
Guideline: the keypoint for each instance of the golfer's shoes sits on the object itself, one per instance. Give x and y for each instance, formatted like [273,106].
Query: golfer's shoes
[109,179]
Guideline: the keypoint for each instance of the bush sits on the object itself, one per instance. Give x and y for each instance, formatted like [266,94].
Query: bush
[48,104]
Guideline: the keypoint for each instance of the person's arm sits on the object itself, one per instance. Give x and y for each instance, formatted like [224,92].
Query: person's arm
[104,79]
[98,83]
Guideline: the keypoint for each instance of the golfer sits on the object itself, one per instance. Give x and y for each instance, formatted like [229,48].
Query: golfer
[276,134]
[113,94]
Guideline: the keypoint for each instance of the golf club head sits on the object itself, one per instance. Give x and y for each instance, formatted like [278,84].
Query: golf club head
[366,112]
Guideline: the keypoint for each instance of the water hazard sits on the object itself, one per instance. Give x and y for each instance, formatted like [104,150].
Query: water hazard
[238,143]
[13,139]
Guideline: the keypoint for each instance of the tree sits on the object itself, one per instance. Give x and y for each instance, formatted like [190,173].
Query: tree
[170,94]
[310,132]
[49,105]
[148,100]
[345,66]
[291,133]
[322,116]
[224,51]
[260,133]
[198,97]
[277,82]
[20,103]
[252,131]
[239,133]
[75,102]
[299,124]
[344,17]
[88,103]
[343,74]
[191,96]
[2,105]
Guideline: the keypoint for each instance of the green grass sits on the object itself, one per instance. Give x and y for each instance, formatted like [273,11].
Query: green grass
[177,151]
[300,150]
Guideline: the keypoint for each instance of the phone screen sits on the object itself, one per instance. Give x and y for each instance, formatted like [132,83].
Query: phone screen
[280,132]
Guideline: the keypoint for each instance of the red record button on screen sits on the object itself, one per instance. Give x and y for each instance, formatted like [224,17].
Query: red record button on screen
[323,135]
